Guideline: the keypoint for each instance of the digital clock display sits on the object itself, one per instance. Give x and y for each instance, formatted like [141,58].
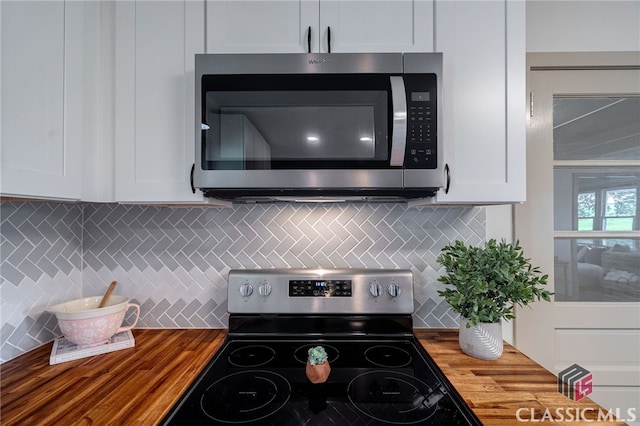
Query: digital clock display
[420,96]
[320,288]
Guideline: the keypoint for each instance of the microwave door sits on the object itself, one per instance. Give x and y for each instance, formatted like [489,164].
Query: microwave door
[399,130]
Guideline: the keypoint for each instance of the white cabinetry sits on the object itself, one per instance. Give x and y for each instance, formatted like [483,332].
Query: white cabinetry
[56,94]
[42,99]
[155,96]
[352,26]
[483,46]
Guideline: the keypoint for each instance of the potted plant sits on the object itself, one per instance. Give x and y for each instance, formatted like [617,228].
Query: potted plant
[484,284]
[317,368]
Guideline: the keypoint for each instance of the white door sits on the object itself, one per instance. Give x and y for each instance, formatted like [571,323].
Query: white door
[580,224]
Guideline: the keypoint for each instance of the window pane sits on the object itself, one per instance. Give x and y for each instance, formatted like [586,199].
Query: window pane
[596,128]
[596,199]
[618,224]
[587,204]
[585,224]
[600,270]
[621,202]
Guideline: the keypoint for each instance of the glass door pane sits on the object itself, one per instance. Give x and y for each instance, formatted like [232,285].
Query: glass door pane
[596,128]
[596,194]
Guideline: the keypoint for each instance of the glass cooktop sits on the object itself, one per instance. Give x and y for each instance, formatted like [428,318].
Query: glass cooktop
[263,382]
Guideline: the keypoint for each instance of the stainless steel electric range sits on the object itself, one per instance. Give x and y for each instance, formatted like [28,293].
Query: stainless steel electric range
[380,374]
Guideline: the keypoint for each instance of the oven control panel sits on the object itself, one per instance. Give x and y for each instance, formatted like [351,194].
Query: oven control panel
[320,291]
[320,288]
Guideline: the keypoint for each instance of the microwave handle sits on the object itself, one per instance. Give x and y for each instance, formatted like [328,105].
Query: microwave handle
[399,131]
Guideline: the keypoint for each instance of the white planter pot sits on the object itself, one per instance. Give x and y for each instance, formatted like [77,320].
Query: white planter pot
[483,341]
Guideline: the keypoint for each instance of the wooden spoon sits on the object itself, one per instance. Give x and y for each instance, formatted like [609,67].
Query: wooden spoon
[107,295]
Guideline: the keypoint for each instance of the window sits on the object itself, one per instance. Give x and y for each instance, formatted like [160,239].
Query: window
[586,211]
[605,201]
[620,210]
[607,210]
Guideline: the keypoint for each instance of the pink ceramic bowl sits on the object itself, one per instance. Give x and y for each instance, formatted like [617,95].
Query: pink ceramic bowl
[83,323]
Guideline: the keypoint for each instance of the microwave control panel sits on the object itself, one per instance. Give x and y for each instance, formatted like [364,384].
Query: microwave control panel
[422,131]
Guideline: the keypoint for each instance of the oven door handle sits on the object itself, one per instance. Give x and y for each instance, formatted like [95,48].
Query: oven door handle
[399,130]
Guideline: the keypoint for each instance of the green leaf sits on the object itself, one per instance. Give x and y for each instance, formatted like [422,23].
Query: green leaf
[485,283]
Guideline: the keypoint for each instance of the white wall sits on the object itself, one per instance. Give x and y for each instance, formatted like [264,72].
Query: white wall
[499,225]
[583,25]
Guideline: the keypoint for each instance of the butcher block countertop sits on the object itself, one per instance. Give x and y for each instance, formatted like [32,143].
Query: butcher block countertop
[138,386]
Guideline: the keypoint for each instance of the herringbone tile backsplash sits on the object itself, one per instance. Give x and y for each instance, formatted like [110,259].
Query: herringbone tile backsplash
[174,261]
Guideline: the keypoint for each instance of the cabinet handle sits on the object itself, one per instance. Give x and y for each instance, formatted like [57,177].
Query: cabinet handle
[193,168]
[447,173]
[329,39]
[309,39]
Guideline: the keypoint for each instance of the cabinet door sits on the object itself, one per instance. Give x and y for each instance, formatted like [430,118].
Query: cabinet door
[155,125]
[280,26]
[483,107]
[284,26]
[376,26]
[40,157]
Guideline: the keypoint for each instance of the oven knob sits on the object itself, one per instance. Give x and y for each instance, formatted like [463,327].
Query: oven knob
[264,290]
[394,290]
[246,289]
[375,289]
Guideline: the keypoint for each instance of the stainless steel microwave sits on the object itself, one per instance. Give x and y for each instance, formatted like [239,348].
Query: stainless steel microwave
[338,126]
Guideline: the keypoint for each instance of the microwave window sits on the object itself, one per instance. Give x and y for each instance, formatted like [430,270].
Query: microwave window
[256,129]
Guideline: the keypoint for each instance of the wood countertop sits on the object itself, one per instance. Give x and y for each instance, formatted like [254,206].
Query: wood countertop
[138,386]
[513,385]
[134,386]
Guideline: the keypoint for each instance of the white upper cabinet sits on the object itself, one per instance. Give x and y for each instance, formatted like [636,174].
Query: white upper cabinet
[299,26]
[98,97]
[376,26]
[155,96]
[261,26]
[41,100]
[53,121]
[483,46]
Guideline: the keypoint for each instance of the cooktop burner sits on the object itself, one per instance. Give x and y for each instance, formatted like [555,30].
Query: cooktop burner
[255,395]
[252,356]
[379,372]
[394,397]
[387,356]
